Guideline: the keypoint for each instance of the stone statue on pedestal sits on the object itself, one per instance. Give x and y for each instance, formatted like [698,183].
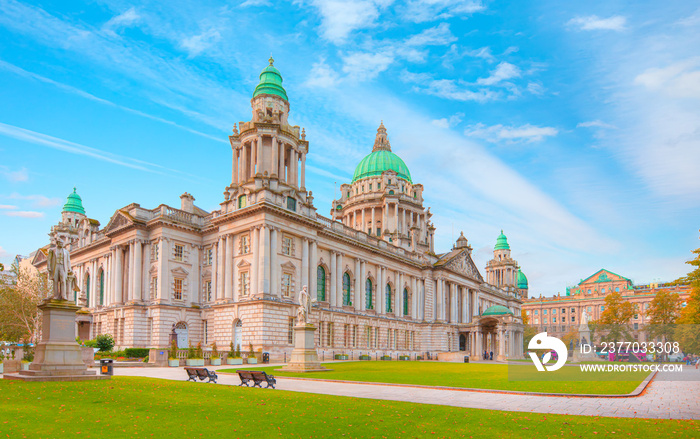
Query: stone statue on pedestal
[304,308]
[58,262]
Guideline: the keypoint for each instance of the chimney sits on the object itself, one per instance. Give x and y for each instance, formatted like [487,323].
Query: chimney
[187,202]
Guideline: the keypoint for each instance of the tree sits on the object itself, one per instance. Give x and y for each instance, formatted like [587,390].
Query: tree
[615,318]
[663,312]
[570,338]
[529,331]
[20,296]
[688,324]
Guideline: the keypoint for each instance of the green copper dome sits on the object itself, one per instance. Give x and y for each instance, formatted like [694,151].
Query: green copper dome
[522,281]
[502,242]
[74,203]
[381,159]
[497,310]
[270,82]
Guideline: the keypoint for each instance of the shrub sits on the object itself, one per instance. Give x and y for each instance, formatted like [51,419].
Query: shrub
[199,352]
[238,351]
[90,343]
[214,351]
[28,353]
[191,352]
[173,350]
[231,352]
[105,342]
[251,352]
[136,352]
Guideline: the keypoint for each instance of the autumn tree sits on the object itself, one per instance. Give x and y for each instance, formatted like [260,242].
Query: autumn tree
[529,331]
[571,337]
[688,324]
[20,296]
[662,314]
[614,320]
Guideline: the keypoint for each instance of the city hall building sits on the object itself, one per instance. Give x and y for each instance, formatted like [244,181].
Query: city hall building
[233,275]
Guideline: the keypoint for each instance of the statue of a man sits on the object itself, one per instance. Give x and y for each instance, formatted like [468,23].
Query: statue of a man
[584,317]
[304,308]
[59,270]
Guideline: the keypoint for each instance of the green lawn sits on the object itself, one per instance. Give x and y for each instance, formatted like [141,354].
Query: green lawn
[472,375]
[145,407]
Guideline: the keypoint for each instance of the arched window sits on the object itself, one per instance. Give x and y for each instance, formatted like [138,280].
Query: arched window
[405,301]
[368,294]
[347,300]
[320,284]
[87,290]
[102,287]
[388,298]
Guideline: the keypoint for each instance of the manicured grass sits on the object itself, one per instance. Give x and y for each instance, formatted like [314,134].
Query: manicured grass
[145,407]
[472,375]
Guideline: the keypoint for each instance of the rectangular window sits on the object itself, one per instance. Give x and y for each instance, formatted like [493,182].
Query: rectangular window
[245,283]
[563,319]
[590,309]
[369,335]
[347,336]
[544,320]
[572,310]
[208,256]
[636,326]
[554,320]
[291,204]
[245,244]
[537,321]
[563,310]
[527,312]
[554,312]
[154,253]
[179,252]
[286,284]
[329,333]
[242,201]
[290,332]
[370,186]
[536,311]
[544,312]
[573,319]
[206,329]
[207,291]
[354,335]
[287,245]
[379,185]
[154,287]
[177,294]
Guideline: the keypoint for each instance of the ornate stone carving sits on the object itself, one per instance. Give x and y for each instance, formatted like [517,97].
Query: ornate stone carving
[463,264]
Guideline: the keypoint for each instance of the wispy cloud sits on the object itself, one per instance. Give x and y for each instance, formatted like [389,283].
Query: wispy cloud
[7,206]
[419,11]
[17,176]
[125,19]
[196,44]
[24,214]
[503,71]
[448,122]
[363,66]
[322,75]
[340,18]
[595,124]
[448,88]
[252,3]
[593,22]
[38,201]
[678,80]
[498,133]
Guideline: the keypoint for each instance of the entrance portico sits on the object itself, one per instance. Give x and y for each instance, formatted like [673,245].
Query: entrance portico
[497,331]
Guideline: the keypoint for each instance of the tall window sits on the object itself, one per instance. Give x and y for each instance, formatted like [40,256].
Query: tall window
[154,287]
[207,291]
[286,284]
[287,243]
[347,300]
[291,204]
[290,331]
[245,244]
[405,301]
[388,298]
[177,295]
[179,252]
[154,252]
[320,284]
[242,201]
[208,256]
[245,283]
[368,294]
[87,289]
[102,287]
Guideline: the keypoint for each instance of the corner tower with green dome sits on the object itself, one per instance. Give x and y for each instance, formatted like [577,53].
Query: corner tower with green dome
[73,211]
[503,271]
[383,201]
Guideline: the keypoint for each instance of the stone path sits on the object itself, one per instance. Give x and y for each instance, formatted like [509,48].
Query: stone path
[663,399]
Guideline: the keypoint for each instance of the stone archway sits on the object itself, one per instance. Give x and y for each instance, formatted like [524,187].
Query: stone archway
[237,334]
[182,335]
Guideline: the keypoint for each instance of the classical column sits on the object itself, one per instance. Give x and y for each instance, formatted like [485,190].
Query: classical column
[414,298]
[259,155]
[356,300]
[396,216]
[251,160]
[220,279]
[454,303]
[438,300]
[264,261]
[228,267]
[146,277]
[119,276]
[339,281]
[363,282]
[333,268]
[274,157]
[293,163]
[254,249]
[282,150]
[363,227]
[502,342]
[303,170]
[274,262]
[381,290]
[397,295]
[305,266]
[373,226]
[404,229]
[313,264]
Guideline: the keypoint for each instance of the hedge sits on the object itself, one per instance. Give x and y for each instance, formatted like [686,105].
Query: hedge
[136,352]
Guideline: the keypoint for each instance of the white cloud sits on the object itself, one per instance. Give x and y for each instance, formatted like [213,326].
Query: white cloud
[678,80]
[482,52]
[497,133]
[196,44]
[125,19]
[252,3]
[447,88]
[593,22]
[364,66]
[322,75]
[445,122]
[503,71]
[436,36]
[340,18]
[7,206]
[419,11]
[535,88]
[595,124]
[37,200]
[14,176]
[3,253]
[25,214]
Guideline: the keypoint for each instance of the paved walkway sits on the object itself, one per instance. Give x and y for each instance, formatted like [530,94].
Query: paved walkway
[663,399]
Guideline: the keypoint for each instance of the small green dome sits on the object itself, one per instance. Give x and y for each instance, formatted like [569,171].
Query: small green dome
[522,281]
[381,159]
[74,203]
[502,242]
[497,310]
[270,82]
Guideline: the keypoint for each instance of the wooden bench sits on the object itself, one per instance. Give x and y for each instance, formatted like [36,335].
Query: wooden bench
[257,377]
[202,373]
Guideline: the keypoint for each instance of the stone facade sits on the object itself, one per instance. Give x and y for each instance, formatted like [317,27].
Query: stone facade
[232,275]
[561,314]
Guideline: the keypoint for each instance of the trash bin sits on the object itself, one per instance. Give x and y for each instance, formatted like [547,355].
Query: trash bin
[106,367]
[466,358]
[266,357]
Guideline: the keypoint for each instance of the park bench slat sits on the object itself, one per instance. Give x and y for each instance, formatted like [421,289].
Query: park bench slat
[202,373]
[257,377]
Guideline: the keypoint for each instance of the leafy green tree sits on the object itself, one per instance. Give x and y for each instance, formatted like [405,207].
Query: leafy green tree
[614,320]
[105,342]
[20,296]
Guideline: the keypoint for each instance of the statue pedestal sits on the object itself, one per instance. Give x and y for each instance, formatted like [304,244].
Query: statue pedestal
[304,356]
[57,357]
[584,336]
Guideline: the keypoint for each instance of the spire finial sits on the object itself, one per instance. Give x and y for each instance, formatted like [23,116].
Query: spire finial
[271,60]
[74,189]
[381,142]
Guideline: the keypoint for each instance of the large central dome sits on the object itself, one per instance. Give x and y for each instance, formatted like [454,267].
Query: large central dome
[381,159]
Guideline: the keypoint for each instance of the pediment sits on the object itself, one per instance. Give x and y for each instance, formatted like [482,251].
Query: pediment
[39,257]
[463,264]
[180,271]
[289,266]
[118,220]
[243,263]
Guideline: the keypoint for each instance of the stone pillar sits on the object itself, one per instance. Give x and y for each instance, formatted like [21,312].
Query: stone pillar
[220,279]
[303,171]
[397,295]
[243,170]
[228,268]
[214,269]
[439,303]
[259,156]
[396,216]
[293,163]
[281,170]
[358,287]
[381,290]
[255,253]
[264,261]
[363,226]
[363,281]
[274,261]
[333,268]
[373,226]
[339,281]
[305,266]
[414,298]
[313,265]
[251,161]
[404,229]
[275,157]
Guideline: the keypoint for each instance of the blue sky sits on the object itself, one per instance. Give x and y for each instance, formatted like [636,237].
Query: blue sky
[574,127]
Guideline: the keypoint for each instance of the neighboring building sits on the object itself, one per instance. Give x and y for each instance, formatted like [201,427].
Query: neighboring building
[560,314]
[233,275]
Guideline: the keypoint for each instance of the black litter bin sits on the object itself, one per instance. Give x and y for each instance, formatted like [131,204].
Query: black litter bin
[266,357]
[466,358]
[106,367]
